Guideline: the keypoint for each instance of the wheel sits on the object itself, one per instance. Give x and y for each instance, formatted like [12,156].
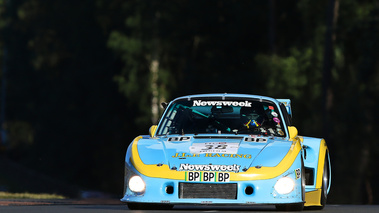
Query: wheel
[295,206]
[324,187]
[325,184]
[290,207]
[149,206]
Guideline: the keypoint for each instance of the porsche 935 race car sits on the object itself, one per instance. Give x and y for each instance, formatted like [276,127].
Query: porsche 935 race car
[226,149]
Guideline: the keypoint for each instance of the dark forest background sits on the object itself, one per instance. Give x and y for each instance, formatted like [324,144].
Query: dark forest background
[80,79]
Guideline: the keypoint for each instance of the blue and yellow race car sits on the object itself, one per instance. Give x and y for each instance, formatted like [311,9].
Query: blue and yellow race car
[226,149]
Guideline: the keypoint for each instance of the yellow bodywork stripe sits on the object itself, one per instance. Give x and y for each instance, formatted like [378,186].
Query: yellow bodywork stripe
[251,174]
[153,170]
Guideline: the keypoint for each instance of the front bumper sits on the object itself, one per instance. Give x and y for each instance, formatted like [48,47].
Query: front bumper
[169,191]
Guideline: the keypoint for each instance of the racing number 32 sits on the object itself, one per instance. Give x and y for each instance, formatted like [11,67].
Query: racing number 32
[219,146]
[208,176]
[214,147]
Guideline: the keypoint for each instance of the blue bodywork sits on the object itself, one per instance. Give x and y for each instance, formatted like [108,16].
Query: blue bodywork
[155,151]
[167,160]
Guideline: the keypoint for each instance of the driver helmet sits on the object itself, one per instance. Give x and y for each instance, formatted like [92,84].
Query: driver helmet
[251,117]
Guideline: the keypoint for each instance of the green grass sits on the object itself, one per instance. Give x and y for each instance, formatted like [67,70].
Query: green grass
[26,195]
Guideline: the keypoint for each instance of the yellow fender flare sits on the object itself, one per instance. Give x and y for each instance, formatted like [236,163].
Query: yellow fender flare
[313,198]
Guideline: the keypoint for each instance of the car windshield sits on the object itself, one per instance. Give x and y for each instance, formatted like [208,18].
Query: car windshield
[216,116]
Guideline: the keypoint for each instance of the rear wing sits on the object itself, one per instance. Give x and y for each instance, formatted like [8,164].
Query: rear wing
[287,104]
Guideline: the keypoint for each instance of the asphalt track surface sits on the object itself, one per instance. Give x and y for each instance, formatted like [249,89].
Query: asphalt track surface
[94,206]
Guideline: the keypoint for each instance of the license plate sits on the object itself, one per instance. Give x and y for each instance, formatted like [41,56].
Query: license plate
[208,176]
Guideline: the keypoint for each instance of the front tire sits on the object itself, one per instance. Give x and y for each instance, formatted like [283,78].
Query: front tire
[324,186]
[149,206]
[290,207]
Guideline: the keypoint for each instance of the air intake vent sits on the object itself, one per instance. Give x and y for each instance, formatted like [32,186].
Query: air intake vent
[309,176]
[208,190]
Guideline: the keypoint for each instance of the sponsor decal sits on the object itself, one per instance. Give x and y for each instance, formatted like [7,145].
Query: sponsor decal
[211,155]
[185,155]
[207,176]
[254,138]
[222,103]
[185,138]
[214,147]
[207,167]
[298,173]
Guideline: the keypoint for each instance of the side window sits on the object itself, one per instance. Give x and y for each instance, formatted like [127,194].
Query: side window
[287,118]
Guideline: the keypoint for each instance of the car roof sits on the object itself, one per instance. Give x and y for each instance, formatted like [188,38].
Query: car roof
[234,95]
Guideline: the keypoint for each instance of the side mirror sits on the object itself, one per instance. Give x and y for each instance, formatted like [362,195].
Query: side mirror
[292,132]
[152,130]
[164,105]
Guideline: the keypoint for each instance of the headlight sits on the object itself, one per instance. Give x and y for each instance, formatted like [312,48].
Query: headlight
[136,184]
[284,185]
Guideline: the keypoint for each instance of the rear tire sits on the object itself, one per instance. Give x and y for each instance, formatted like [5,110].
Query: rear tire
[149,206]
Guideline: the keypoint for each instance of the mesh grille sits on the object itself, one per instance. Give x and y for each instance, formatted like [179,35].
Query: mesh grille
[208,190]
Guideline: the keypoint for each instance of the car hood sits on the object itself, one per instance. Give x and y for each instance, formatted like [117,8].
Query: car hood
[213,153]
